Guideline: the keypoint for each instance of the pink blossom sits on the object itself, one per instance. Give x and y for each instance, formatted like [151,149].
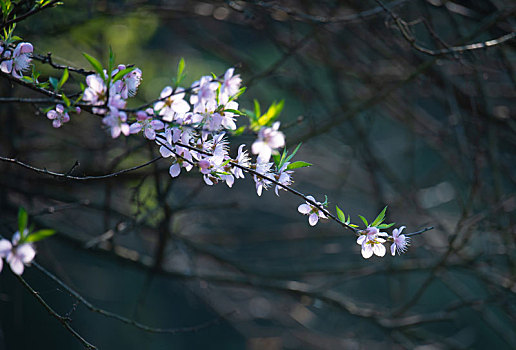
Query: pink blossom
[230,85]
[147,124]
[116,121]
[269,138]
[284,177]
[172,105]
[16,255]
[241,159]
[204,92]
[400,241]
[369,233]
[59,116]
[313,212]
[262,168]
[96,92]
[128,84]
[19,61]
[372,242]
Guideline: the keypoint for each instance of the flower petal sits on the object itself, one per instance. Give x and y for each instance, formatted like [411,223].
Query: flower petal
[26,253]
[16,265]
[367,251]
[5,248]
[312,219]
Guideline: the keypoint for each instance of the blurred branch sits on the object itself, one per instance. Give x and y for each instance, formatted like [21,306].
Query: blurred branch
[65,321]
[67,176]
[300,16]
[411,39]
[123,319]
[26,15]
[48,60]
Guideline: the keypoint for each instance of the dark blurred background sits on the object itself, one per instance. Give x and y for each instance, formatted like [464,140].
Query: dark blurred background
[384,123]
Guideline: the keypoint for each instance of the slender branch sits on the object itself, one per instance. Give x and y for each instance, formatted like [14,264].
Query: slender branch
[419,232]
[28,14]
[29,100]
[300,16]
[123,319]
[407,35]
[48,60]
[31,86]
[65,321]
[70,177]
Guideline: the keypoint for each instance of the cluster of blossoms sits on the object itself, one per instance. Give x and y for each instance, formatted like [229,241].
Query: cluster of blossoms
[102,91]
[16,61]
[372,239]
[190,126]
[15,254]
[193,130]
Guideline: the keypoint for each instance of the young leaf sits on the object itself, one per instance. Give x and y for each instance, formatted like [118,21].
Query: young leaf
[54,82]
[281,161]
[39,235]
[237,95]
[235,111]
[257,112]
[111,62]
[294,153]
[95,64]
[239,131]
[277,159]
[180,71]
[379,219]
[122,73]
[364,220]
[383,226]
[66,100]
[63,80]
[23,218]
[272,113]
[341,215]
[299,164]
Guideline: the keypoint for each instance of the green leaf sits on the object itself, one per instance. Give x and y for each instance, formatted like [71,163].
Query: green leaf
[66,100]
[180,72]
[95,64]
[63,80]
[39,235]
[257,111]
[237,95]
[293,153]
[23,218]
[383,226]
[379,219]
[341,215]
[272,113]
[239,131]
[235,111]
[225,163]
[299,164]
[364,220]
[122,73]
[111,62]
[54,82]
[277,159]
[281,161]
